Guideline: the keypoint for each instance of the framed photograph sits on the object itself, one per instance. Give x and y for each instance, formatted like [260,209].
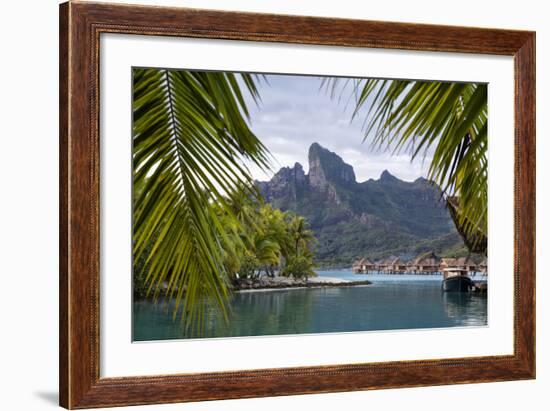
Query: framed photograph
[259,205]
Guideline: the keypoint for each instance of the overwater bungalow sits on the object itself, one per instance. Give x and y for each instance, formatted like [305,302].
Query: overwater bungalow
[367,266]
[445,263]
[382,265]
[397,266]
[364,266]
[427,263]
[467,264]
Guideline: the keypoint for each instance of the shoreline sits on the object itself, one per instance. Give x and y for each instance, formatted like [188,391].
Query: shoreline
[301,287]
[282,283]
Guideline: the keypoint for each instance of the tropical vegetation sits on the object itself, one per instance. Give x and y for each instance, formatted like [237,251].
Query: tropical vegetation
[267,242]
[264,241]
[199,223]
[190,140]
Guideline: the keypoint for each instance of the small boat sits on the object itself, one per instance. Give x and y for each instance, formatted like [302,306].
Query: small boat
[456,279]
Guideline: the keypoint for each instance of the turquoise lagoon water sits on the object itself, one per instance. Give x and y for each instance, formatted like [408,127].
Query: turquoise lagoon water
[392,302]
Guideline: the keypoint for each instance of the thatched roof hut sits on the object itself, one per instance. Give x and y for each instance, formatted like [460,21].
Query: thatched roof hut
[426,262]
[447,263]
[366,264]
[462,263]
[397,265]
[466,263]
[363,265]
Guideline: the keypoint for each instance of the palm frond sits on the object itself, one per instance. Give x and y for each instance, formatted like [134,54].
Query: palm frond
[190,137]
[448,119]
[474,239]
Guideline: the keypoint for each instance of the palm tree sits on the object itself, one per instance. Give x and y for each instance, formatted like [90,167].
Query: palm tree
[449,119]
[190,140]
[275,232]
[299,233]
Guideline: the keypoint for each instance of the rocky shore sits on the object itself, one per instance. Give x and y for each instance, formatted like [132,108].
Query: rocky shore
[267,283]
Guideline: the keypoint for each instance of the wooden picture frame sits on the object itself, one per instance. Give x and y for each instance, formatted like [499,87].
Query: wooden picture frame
[80,27]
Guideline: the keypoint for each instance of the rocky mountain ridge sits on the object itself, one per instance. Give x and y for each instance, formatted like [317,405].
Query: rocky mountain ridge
[353,219]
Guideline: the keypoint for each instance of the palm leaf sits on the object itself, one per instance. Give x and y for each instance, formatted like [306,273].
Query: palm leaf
[449,119]
[190,137]
[474,239]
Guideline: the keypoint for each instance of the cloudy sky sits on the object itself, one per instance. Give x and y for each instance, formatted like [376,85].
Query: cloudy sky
[295,112]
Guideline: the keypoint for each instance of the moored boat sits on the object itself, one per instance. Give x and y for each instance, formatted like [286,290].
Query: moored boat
[455,279]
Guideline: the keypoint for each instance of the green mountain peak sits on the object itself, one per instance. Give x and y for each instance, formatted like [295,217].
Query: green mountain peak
[374,218]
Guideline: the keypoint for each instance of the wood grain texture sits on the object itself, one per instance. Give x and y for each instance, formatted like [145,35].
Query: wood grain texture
[63,206]
[80,27]
[525,200]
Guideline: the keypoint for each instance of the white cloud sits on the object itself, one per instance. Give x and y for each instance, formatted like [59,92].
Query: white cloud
[294,113]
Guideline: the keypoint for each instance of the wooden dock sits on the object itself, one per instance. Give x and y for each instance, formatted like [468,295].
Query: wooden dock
[426,264]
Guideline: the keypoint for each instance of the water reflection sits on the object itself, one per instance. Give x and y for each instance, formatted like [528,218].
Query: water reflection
[465,308]
[385,305]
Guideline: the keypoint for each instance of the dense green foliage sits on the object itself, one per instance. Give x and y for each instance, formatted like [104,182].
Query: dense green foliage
[190,140]
[268,242]
[265,241]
